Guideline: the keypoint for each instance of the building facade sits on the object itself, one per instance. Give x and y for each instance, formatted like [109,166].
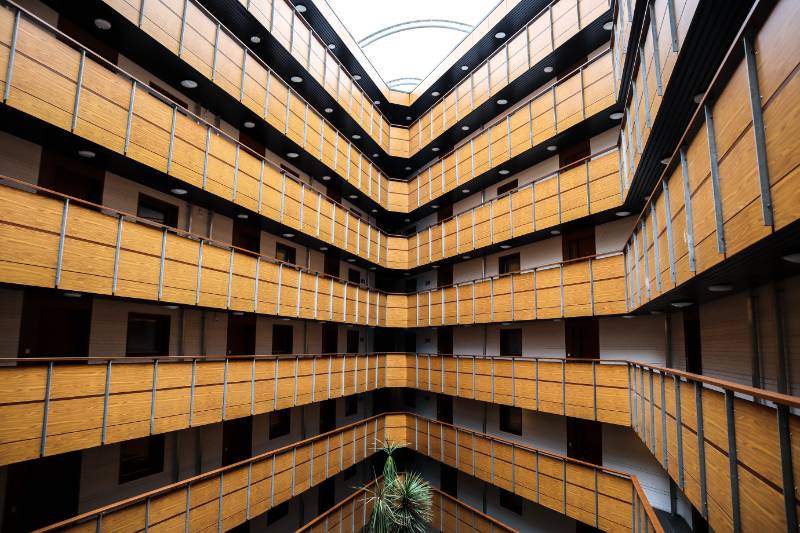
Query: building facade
[562,270]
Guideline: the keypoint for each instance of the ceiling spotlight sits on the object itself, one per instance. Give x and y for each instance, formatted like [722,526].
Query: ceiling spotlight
[664,161]
[376,155]
[466,256]
[722,287]
[171,306]
[698,98]
[552,148]
[326,178]
[435,149]
[296,79]
[555,232]
[505,246]
[655,312]
[71,294]
[242,216]
[300,8]
[622,213]
[331,46]
[434,206]
[608,25]
[255,39]
[288,235]
[102,24]
[373,268]
[502,101]
[548,70]
[323,248]
[435,93]
[374,211]
[615,116]
[406,220]
[189,84]
[328,110]
[179,192]
[353,196]
[356,77]
[628,316]
[292,155]
[464,67]
[503,172]
[88,154]
[377,102]
[237,313]
[406,274]
[355,136]
[681,305]
[465,191]
[465,128]
[408,118]
[351,260]
[792,258]
[249,124]
[407,168]
[500,35]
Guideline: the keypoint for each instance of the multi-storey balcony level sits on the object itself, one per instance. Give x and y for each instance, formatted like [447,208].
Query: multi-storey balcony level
[551,248]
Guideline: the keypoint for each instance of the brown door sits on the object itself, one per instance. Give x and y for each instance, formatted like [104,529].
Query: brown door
[410,341]
[282,339]
[330,338]
[54,325]
[585,440]
[237,438]
[692,343]
[582,337]
[241,334]
[71,175]
[448,478]
[246,236]
[327,415]
[332,262]
[444,339]
[444,275]
[444,408]
[41,492]
[326,495]
[444,212]
[578,243]
[352,340]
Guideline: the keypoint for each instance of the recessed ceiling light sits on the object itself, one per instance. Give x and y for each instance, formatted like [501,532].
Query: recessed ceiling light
[698,98]
[503,172]
[373,268]
[171,306]
[353,196]
[552,148]
[356,77]
[374,211]
[664,161]
[407,168]
[628,316]
[242,216]
[500,35]
[555,232]
[292,155]
[622,213]
[88,154]
[179,192]
[331,46]
[548,70]
[465,191]
[102,24]
[722,287]
[249,124]
[351,260]
[681,305]
[296,79]
[464,67]
[466,256]
[328,110]
[286,319]
[288,235]
[406,220]
[615,116]
[377,102]
[255,39]
[465,128]
[435,149]
[326,178]
[654,312]
[505,246]
[189,84]
[237,313]
[792,258]
[434,206]
[323,248]
[376,155]
[435,93]
[608,25]
[71,294]
[502,101]
[408,118]
[300,8]
[356,136]
[406,274]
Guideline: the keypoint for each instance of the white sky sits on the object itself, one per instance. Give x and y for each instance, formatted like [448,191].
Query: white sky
[413,53]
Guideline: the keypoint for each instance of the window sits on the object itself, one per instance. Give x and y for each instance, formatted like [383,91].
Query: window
[277,512]
[140,458]
[578,243]
[353,275]
[352,340]
[246,236]
[511,341]
[285,253]
[280,423]
[350,405]
[510,186]
[509,263]
[511,501]
[511,419]
[147,335]
[157,211]
[282,339]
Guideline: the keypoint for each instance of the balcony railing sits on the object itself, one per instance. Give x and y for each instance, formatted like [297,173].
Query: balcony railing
[229,496]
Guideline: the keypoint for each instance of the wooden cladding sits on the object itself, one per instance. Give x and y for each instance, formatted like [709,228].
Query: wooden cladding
[46,412]
[666,26]
[725,452]
[734,181]
[449,514]
[229,496]
[60,243]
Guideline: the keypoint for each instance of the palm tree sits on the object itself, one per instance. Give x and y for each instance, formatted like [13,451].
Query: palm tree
[402,502]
